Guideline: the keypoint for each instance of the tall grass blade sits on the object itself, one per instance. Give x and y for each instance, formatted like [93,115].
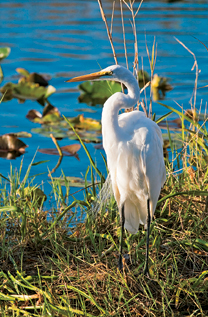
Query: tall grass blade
[197,125]
[86,150]
[163,117]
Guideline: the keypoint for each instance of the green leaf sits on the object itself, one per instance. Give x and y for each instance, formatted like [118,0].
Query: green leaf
[49,91]
[98,92]
[22,71]
[10,208]
[197,125]
[26,90]
[164,117]
[4,52]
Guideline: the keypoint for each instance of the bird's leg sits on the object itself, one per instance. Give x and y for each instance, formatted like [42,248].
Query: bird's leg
[146,269]
[120,264]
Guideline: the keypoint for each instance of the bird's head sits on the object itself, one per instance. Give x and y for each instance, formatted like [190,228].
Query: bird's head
[114,72]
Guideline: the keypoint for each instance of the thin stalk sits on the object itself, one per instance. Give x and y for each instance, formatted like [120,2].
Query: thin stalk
[197,71]
[124,37]
[108,31]
[109,34]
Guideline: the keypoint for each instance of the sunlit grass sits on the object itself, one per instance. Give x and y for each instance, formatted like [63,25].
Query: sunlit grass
[52,266]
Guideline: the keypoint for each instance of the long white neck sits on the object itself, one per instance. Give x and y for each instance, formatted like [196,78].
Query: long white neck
[110,128]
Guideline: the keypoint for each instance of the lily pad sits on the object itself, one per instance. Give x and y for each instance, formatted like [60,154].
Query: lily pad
[61,133]
[21,134]
[46,130]
[97,92]
[32,77]
[50,114]
[4,52]
[88,129]
[11,146]
[67,150]
[31,86]
[33,114]
[70,181]
[80,122]
[26,90]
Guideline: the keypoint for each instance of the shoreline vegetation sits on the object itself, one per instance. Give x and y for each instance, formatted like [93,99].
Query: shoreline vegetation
[53,263]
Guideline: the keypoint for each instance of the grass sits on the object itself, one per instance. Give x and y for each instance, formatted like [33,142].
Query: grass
[53,266]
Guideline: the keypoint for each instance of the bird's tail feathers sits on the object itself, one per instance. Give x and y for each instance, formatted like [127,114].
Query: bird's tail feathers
[134,216]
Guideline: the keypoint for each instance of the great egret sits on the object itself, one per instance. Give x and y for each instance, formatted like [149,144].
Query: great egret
[134,148]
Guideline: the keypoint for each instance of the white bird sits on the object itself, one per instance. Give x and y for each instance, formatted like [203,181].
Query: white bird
[134,148]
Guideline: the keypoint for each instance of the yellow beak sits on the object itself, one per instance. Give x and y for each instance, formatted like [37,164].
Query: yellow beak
[91,76]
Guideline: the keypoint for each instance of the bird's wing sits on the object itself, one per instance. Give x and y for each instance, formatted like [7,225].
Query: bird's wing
[145,137]
[140,167]
[131,121]
[152,159]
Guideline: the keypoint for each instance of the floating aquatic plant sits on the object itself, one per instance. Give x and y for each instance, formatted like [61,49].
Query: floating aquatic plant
[96,93]
[30,86]
[11,146]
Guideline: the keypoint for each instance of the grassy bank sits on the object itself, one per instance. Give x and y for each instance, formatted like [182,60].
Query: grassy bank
[51,266]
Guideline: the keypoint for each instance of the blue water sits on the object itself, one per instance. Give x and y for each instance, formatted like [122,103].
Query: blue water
[62,39]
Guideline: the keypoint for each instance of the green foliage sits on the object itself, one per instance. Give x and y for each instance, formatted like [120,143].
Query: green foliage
[62,261]
[30,86]
[89,130]
[50,115]
[55,264]
[97,92]
[59,133]
[26,90]
[4,52]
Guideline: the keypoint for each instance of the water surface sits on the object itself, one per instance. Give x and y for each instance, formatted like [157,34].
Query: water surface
[61,39]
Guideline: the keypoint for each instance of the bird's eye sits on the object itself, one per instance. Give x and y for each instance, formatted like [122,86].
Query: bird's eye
[110,73]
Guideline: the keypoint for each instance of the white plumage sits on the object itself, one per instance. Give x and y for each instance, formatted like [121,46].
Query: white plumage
[134,148]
